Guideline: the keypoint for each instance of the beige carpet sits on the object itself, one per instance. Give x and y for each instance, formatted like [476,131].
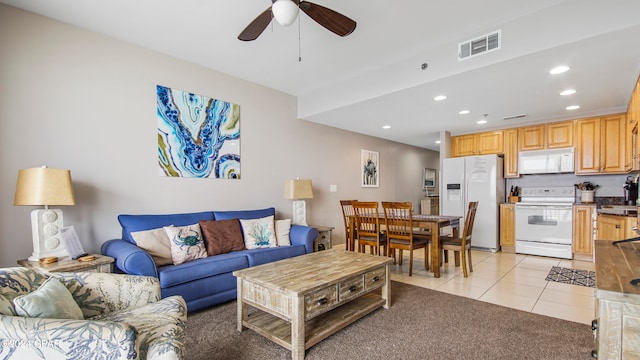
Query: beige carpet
[421,324]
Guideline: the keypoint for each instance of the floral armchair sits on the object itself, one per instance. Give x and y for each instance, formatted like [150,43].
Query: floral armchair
[122,317]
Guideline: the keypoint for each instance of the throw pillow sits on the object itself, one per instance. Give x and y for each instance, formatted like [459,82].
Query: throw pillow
[6,307]
[51,300]
[283,227]
[222,236]
[259,233]
[156,243]
[186,243]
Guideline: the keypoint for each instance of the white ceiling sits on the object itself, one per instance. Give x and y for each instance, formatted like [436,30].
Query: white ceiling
[373,77]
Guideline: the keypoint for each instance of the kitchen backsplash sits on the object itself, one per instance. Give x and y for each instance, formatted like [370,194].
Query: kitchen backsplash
[609,186]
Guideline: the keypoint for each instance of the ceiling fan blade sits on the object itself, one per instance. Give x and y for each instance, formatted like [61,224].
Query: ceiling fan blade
[331,20]
[256,27]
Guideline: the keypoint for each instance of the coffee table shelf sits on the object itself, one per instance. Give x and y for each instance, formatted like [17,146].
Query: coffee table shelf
[316,329]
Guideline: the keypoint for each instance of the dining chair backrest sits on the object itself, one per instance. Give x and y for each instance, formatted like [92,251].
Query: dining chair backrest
[367,218]
[347,212]
[398,220]
[468,223]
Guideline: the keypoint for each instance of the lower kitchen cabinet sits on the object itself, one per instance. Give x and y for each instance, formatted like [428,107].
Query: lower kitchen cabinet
[615,227]
[508,228]
[583,231]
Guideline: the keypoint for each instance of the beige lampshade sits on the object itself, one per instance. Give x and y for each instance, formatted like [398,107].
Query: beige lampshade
[44,186]
[298,189]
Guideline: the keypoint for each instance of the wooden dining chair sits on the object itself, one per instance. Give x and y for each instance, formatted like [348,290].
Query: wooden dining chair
[368,227]
[398,218]
[461,246]
[349,229]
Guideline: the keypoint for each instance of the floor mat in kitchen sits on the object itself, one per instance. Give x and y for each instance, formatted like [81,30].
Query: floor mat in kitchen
[572,276]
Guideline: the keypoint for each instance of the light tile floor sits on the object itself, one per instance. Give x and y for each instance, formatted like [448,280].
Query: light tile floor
[512,280]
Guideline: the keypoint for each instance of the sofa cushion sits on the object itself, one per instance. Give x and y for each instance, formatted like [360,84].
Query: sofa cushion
[131,223]
[51,300]
[187,243]
[283,228]
[266,255]
[172,275]
[222,236]
[156,242]
[244,214]
[259,233]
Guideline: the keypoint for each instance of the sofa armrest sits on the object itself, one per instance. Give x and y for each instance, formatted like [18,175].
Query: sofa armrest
[303,235]
[130,259]
[99,294]
[29,338]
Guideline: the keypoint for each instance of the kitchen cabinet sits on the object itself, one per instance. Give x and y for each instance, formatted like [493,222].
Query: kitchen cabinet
[600,145]
[507,228]
[484,143]
[615,227]
[531,137]
[583,231]
[510,153]
[617,324]
[559,135]
[633,117]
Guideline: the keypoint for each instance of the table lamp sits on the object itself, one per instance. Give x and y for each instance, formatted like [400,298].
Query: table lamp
[298,190]
[43,187]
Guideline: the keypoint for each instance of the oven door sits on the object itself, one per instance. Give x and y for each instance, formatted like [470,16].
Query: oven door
[544,223]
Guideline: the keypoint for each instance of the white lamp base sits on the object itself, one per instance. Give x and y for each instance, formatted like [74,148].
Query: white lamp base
[299,213]
[47,240]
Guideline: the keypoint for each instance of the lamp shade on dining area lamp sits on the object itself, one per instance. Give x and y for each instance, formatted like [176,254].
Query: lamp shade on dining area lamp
[46,187]
[298,190]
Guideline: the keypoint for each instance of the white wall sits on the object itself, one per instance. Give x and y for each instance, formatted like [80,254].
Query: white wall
[77,100]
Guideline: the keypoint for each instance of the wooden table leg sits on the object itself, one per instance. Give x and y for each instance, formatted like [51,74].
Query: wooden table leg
[386,289]
[242,307]
[435,249]
[297,329]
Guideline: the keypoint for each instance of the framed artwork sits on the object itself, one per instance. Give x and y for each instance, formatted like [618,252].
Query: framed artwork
[428,178]
[198,136]
[369,168]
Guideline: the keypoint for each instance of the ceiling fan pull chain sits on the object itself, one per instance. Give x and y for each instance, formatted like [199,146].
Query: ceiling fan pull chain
[299,51]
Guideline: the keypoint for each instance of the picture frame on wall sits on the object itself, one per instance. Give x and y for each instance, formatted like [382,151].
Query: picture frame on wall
[428,178]
[369,168]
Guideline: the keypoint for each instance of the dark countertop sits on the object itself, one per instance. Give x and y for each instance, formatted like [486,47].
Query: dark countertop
[618,212]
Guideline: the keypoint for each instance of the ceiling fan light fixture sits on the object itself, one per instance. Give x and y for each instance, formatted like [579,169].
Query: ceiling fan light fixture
[285,12]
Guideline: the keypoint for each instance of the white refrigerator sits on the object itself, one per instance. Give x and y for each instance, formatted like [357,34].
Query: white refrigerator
[475,178]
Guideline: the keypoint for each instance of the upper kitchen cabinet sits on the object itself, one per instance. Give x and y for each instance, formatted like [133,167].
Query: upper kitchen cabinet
[633,116]
[546,136]
[485,143]
[511,153]
[531,137]
[559,135]
[600,145]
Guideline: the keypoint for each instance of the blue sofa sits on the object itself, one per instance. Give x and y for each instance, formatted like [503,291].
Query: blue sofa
[202,282]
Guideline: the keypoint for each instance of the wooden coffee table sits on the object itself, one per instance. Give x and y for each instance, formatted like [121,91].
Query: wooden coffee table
[305,299]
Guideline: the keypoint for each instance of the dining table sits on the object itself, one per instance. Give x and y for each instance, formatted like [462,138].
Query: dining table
[431,222]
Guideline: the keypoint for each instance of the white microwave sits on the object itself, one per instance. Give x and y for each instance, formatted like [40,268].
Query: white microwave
[550,161]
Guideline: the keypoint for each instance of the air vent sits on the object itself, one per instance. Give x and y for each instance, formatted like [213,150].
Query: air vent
[514,117]
[480,45]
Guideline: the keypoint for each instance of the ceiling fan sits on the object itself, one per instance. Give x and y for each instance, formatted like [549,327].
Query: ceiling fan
[286,11]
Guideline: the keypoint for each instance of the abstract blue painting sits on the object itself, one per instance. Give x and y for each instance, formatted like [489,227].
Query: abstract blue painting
[197,136]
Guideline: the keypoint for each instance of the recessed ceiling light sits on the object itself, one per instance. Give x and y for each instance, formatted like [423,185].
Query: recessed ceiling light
[481,122]
[559,70]
[464,112]
[387,127]
[568,92]
[573,107]
[437,141]
[439,98]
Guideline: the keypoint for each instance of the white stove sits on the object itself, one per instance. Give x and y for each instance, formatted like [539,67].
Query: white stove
[544,221]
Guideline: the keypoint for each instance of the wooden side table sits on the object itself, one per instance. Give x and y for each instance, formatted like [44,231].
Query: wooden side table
[323,242]
[100,264]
